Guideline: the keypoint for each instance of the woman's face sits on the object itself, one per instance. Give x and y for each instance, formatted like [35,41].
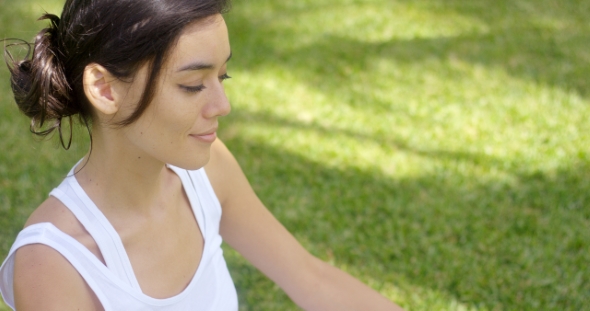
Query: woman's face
[180,124]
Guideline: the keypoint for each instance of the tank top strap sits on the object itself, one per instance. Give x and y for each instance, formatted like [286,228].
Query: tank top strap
[89,267]
[190,188]
[71,194]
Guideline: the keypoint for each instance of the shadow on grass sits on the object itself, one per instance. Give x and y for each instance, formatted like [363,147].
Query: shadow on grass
[516,42]
[518,246]
[499,246]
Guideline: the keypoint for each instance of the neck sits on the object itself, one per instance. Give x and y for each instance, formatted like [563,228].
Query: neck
[120,178]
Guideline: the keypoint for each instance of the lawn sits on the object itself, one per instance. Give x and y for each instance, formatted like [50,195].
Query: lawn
[435,149]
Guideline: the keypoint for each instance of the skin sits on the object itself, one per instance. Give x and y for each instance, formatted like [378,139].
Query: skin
[127,178]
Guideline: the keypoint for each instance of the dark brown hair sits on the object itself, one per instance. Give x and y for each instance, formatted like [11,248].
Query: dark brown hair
[120,35]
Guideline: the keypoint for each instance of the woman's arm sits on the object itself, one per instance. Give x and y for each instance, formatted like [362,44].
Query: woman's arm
[252,230]
[45,280]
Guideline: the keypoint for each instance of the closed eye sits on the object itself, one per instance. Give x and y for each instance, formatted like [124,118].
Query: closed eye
[192,89]
[198,88]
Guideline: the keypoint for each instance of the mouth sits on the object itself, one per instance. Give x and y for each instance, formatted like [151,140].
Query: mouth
[208,136]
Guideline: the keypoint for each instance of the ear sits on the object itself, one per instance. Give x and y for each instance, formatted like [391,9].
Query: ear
[99,89]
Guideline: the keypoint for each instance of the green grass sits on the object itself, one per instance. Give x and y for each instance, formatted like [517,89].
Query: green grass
[435,149]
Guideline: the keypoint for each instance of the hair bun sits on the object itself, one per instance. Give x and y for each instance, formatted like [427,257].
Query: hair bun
[24,66]
[41,89]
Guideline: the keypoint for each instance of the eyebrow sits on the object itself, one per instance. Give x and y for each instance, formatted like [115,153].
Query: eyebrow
[201,66]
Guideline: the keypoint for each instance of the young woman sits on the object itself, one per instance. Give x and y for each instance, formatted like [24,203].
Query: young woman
[137,224]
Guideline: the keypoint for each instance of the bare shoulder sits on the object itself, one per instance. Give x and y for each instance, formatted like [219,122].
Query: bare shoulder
[54,211]
[45,280]
[42,276]
[223,170]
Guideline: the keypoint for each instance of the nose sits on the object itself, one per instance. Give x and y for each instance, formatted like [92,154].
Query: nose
[218,105]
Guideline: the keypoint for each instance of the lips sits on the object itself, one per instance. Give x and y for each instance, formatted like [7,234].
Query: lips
[208,136]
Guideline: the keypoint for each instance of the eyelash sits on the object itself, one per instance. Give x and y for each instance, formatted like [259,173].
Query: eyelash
[198,88]
[192,89]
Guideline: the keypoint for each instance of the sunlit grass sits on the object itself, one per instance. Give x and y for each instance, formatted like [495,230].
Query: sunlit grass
[445,143]
[437,150]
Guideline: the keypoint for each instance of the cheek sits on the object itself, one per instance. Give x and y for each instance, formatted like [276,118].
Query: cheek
[171,116]
[176,115]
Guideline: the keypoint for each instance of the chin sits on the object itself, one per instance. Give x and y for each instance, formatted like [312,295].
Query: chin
[193,163]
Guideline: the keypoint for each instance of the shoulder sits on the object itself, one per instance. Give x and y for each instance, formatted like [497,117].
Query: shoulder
[223,171]
[42,276]
[55,212]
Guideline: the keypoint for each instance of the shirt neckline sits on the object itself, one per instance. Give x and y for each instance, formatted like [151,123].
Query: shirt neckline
[196,208]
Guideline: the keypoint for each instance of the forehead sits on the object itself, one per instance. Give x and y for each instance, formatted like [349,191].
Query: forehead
[203,41]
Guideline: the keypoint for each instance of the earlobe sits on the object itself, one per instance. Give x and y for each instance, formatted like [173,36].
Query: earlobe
[99,89]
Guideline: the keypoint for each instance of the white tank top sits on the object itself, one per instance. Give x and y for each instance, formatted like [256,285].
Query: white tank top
[115,284]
